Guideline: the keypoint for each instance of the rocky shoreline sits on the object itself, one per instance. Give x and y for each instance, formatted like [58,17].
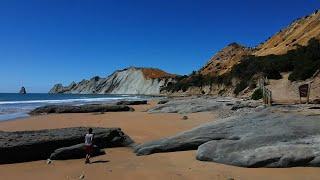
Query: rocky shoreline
[65,143]
[87,108]
[246,134]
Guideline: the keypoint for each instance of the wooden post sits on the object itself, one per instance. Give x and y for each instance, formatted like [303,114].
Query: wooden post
[271,98]
[300,99]
[309,87]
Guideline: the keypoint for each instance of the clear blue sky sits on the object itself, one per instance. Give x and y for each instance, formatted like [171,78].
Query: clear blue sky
[43,42]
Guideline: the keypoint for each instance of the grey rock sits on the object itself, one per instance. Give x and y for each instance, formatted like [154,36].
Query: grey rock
[23,90]
[315,101]
[74,152]
[218,105]
[273,137]
[188,105]
[163,101]
[61,89]
[132,102]
[22,146]
[80,109]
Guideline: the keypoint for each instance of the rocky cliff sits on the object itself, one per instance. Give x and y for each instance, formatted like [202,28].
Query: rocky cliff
[131,80]
[235,68]
[298,33]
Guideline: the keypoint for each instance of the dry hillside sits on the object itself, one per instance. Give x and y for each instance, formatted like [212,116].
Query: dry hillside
[297,33]
[225,59]
[152,73]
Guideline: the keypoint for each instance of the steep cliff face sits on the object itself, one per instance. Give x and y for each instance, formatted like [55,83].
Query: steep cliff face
[127,81]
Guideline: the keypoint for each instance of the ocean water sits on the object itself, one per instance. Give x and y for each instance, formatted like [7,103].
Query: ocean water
[14,105]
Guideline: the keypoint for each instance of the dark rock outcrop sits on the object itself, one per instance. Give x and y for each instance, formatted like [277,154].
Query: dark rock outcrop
[74,152]
[132,102]
[316,101]
[274,137]
[80,109]
[61,89]
[25,146]
[163,101]
[23,90]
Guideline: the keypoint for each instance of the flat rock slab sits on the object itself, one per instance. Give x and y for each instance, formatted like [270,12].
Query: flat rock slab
[74,152]
[203,104]
[132,102]
[25,146]
[88,108]
[271,137]
[163,101]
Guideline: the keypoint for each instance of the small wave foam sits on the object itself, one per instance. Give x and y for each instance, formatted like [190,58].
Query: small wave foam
[85,100]
[12,109]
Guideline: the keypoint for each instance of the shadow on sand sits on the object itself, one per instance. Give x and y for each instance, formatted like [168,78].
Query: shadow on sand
[99,161]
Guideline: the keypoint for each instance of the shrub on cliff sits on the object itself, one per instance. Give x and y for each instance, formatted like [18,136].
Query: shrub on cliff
[193,80]
[240,87]
[257,94]
[302,62]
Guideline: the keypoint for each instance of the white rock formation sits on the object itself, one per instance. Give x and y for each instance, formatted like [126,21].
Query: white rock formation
[132,80]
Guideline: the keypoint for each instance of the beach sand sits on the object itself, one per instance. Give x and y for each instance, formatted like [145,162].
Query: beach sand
[122,163]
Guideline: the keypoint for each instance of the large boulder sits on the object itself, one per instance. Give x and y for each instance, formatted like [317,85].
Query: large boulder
[279,136]
[22,146]
[74,152]
[80,109]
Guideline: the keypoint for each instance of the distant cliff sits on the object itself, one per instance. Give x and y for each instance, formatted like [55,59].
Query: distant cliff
[131,80]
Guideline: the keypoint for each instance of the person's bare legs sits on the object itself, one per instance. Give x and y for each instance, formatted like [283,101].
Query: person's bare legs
[87,159]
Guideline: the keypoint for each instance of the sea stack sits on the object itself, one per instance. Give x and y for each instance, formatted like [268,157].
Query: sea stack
[23,90]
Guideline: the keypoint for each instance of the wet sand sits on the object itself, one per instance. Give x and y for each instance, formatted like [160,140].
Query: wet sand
[122,163]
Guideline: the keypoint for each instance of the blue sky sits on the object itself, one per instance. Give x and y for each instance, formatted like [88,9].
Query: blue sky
[43,42]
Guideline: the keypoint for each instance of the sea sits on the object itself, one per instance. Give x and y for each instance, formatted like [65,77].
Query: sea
[16,106]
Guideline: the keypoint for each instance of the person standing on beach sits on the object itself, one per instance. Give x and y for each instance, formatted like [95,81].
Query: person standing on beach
[88,145]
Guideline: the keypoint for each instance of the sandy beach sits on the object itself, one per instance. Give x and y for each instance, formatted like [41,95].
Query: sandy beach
[122,163]
[159,90]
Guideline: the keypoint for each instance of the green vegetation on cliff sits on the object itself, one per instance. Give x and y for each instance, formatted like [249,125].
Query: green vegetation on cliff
[257,94]
[302,62]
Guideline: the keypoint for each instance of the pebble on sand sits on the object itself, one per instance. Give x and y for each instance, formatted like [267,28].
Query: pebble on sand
[185,118]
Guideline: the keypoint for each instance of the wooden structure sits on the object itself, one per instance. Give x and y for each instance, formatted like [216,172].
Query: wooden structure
[266,93]
[304,91]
